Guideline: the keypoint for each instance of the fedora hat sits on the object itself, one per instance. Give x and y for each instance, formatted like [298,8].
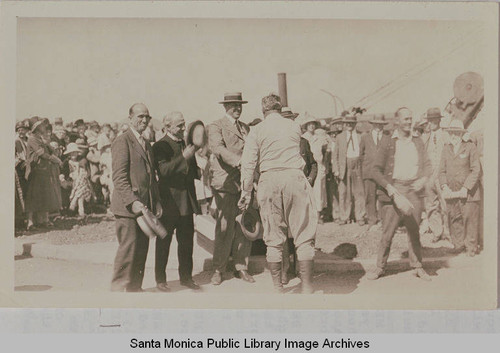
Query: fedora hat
[196,134]
[350,119]
[150,224]
[378,119]
[36,122]
[456,125]
[286,112]
[72,147]
[250,223]
[22,125]
[434,113]
[233,97]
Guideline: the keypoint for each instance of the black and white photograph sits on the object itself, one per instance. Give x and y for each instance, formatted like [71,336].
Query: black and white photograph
[213,162]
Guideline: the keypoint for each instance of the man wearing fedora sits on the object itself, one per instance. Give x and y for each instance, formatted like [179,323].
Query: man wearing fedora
[284,195]
[332,185]
[401,170]
[346,166]
[434,203]
[226,139]
[177,170]
[459,174]
[368,147]
[135,188]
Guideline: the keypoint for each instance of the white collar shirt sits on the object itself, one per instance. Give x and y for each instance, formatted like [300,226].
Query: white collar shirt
[352,144]
[139,138]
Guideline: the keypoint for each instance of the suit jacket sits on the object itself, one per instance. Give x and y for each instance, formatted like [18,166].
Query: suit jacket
[384,164]
[339,159]
[226,145]
[311,167]
[134,175]
[461,169]
[367,152]
[176,178]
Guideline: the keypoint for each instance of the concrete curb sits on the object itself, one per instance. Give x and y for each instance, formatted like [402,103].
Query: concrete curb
[103,253]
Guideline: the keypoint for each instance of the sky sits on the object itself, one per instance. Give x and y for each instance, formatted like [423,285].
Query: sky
[96,69]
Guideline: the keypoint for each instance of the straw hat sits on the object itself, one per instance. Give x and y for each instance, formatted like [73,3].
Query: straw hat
[433,113]
[233,97]
[379,119]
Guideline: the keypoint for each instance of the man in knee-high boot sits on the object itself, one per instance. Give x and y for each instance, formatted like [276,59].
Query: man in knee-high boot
[284,195]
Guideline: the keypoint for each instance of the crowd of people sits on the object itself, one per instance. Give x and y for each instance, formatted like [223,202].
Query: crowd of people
[298,170]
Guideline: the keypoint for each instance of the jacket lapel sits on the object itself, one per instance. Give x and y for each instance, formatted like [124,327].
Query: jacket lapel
[231,127]
[136,145]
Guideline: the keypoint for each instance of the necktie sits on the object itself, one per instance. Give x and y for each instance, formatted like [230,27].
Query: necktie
[379,136]
[350,141]
[434,139]
[237,123]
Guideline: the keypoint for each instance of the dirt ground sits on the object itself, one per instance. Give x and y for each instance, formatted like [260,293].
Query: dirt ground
[347,241]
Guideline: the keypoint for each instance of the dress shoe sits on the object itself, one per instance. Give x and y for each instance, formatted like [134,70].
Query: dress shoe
[162,287]
[420,273]
[190,284]
[243,274]
[375,274]
[216,278]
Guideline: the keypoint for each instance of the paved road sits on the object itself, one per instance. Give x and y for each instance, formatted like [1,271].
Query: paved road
[36,274]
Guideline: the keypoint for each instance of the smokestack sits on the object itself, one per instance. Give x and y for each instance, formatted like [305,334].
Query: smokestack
[282,89]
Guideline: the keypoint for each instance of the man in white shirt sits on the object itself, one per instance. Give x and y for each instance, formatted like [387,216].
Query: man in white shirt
[284,195]
[435,205]
[346,165]
[401,170]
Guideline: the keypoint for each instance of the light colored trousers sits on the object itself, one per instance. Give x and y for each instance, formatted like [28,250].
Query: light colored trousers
[287,207]
[351,188]
[435,208]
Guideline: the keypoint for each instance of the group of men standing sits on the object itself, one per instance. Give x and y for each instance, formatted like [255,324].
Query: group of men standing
[384,176]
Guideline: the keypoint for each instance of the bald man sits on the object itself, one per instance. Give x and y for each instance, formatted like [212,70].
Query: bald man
[177,170]
[135,188]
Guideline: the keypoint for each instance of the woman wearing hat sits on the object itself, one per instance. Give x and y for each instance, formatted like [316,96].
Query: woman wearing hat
[21,185]
[41,197]
[459,172]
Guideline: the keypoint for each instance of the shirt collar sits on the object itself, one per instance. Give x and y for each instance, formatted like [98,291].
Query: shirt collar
[136,134]
[231,119]
[395,135]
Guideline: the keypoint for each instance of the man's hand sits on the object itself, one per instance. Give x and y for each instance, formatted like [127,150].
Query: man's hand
[391,190]
[446,192]
[419,184]
[137,207]
[244,201]
[189,152]
[159,210]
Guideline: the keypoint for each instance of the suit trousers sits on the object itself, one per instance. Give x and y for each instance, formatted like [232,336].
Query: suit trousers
[371,201]
[228,236]
[287,207]
[184,232]
[332,193]
[435,208]
[351,188]
[130,257]
[391,220]
[463,218]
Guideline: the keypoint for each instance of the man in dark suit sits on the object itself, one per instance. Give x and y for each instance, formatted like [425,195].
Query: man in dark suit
[401,169]
[226,139]
[368,148]
[135,188]
[177,170]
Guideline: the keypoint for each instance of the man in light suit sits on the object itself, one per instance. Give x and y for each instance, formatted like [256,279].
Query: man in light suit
[226,139]
[135,188]
[177,170]
[346,165]
[368,147]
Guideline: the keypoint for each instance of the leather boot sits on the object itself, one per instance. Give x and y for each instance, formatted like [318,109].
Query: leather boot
[306,275]
[275,269]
